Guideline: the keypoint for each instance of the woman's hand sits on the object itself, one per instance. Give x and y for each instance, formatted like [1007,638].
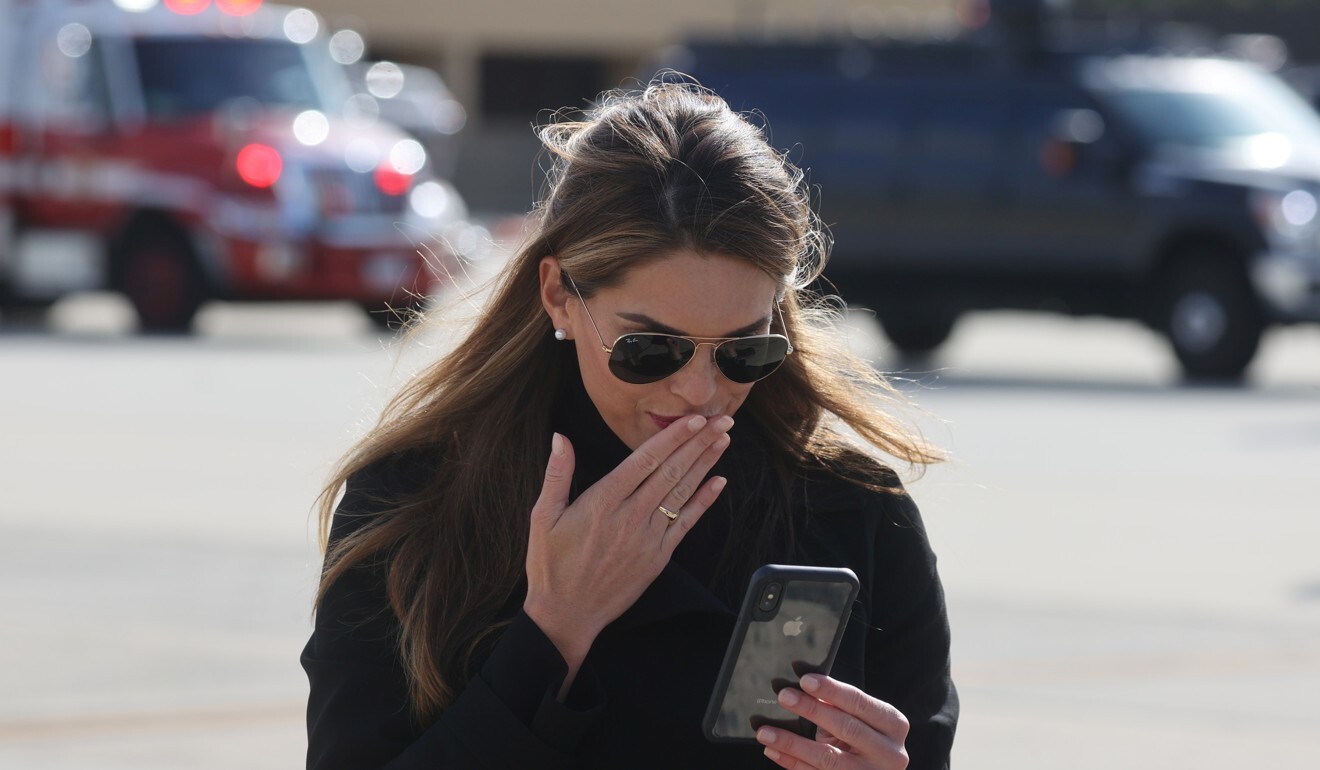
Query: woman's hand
[853,730]
[589,562]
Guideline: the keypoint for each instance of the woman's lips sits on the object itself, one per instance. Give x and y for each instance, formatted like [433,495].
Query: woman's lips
[661,421]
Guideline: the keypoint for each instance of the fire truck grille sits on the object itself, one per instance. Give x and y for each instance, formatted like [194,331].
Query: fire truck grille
[344,192]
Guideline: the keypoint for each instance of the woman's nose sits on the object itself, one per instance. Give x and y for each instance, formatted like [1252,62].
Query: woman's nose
[697,382]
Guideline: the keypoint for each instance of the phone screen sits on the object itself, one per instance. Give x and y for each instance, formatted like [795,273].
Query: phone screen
[792,627]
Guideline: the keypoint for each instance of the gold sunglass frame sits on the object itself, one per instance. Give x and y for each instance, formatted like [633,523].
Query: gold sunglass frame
[697,342]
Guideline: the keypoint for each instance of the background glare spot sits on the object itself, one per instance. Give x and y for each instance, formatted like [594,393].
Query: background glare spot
[384,80]
[1269,150]
[408,156]
[311,127]
[362,155]
[137,6]
[449,117]
[301,26]
[361,110]
[1084,126]
[74,40]
[347,46]
[1299,208]
[429,199]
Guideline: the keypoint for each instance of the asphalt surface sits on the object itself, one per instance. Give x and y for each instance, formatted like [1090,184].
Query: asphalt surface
[1131,563]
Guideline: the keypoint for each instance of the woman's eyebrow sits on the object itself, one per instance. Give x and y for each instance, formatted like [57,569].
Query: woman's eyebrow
[647,323]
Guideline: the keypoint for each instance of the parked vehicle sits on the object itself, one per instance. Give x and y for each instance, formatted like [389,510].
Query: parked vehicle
[185,151]
[416,99]
[958,176]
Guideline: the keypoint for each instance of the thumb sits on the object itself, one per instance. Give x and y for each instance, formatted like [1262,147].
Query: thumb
[558,478]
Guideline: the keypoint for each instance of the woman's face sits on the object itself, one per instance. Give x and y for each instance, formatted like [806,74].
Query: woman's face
[683,293]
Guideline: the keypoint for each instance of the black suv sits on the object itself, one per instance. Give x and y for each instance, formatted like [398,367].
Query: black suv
[1181,191]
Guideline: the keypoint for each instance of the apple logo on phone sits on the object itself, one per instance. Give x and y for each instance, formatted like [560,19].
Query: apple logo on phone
[793,627]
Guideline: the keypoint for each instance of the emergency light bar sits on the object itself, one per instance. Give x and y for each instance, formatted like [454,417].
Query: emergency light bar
[193,7]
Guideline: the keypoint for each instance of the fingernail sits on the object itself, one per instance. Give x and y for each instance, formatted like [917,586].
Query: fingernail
[696,422]
[765,736]
[718,485]
[722,441]
[724,422]
[557,444]
[771,754]
[811,683]
[788,697]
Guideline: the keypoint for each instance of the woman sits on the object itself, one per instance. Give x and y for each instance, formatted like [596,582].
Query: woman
[541,547]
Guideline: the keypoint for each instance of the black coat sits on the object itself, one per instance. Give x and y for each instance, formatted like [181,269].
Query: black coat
[639,697]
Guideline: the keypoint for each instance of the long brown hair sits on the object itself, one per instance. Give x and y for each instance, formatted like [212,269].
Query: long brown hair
[642,174]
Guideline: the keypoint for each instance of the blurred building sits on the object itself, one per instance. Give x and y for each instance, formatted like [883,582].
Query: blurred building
[508,60]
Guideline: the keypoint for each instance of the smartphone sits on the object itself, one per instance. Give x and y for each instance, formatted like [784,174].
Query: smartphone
[790,624]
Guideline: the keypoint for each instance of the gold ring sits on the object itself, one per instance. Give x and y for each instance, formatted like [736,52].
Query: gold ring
[671,515]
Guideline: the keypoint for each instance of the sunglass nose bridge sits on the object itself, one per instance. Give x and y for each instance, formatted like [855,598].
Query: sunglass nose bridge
[713,347]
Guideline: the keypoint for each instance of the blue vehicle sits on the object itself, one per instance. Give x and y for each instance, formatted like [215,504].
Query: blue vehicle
[1178,190]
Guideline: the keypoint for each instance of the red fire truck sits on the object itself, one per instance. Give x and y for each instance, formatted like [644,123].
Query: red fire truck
[178,151]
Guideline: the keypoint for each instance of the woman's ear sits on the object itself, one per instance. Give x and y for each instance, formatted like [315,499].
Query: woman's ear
[554,295]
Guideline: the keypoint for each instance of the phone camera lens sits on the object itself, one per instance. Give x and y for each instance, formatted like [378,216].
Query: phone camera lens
[770,597]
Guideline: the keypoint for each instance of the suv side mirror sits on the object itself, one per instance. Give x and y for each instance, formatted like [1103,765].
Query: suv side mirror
[1075,138]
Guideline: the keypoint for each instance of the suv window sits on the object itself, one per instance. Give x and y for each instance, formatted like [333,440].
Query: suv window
[1207,103]
[73,89]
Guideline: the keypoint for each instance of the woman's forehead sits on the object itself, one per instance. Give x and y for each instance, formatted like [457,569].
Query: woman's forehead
[693,293]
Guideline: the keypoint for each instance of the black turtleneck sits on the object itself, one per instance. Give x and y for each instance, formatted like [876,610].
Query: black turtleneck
[639,696]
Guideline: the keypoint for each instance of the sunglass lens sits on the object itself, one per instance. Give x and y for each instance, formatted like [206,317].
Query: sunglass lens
[644,358]
[749,359]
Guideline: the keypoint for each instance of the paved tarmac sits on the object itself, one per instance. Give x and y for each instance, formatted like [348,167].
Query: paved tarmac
[1131,563]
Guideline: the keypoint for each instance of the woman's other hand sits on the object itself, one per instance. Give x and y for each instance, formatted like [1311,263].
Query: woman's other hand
[853,730]
[589,562]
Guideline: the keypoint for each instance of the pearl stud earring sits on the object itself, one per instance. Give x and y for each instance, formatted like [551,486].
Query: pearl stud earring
[561,335]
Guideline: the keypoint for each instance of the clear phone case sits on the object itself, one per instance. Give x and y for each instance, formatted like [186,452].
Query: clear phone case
[790,624]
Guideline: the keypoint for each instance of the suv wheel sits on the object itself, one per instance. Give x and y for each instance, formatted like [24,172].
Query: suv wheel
[156,271]
[1211,317]
[918,334]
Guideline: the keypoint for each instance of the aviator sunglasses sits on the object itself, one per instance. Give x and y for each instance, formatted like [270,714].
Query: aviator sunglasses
[641,358]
